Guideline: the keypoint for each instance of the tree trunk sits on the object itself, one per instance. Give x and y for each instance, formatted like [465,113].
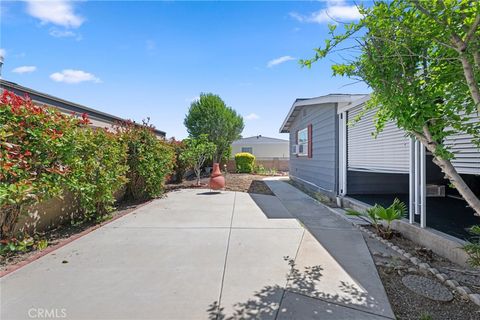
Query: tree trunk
[197,173]
[450,171]
[471,82]
[8,219]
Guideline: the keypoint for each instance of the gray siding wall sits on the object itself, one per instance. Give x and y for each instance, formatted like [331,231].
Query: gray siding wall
[321,169]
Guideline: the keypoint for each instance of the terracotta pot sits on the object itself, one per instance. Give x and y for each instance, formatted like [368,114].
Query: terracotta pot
[217,181]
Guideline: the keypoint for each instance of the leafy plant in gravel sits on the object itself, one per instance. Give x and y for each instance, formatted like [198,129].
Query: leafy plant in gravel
[378,214]
[36,145]
[472,248]
[197,150]
[98,170]
[150,160]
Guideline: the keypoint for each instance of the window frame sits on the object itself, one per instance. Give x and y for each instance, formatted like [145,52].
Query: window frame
[305,144]
[251,149]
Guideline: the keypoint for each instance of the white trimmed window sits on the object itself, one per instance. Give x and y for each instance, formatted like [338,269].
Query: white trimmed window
[302,142]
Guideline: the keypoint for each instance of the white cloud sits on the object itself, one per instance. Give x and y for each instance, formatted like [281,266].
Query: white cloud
[3,52]
[57,33]
[335,11]
[252,116]
[62,33]
[279,60]
[59,12]
[73,76]
[24,69]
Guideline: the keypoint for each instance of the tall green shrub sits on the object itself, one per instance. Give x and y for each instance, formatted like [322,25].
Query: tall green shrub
[36,146]
[211,116]
[150,160]
[98,170]
[245,162]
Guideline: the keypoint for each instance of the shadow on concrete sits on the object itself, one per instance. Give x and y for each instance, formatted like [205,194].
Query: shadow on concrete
[209,193]
[343,242]
[299,299]
[271,207]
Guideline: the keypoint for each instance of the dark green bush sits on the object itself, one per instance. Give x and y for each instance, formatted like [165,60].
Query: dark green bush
[150,161]
[244,162]
[180,166]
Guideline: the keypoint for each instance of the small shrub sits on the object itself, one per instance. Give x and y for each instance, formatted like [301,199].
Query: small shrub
[377,214]
[98,171]
[150,160]
[472,248]
[244,162]
[259,169]
[197,151]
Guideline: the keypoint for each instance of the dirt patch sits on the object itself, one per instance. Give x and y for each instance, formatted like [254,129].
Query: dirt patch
[241,182]
[63,233]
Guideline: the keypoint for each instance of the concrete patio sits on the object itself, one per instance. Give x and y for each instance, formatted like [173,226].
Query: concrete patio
[200,255]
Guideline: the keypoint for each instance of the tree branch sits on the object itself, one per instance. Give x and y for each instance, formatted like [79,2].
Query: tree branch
[471,33]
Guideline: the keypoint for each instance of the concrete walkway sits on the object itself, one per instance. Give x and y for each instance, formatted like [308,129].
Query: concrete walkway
[197,255]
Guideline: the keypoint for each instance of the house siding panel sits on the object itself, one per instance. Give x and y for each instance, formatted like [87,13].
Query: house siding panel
[320,169]
[466,152]
[387,153]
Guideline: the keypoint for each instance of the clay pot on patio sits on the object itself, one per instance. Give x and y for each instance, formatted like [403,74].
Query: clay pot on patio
[217,181]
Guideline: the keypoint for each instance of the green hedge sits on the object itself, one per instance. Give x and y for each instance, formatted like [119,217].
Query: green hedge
[244,162]
[97,171]
[149,160]
[44,152]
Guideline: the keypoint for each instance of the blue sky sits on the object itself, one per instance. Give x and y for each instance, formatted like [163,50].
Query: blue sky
[151,59]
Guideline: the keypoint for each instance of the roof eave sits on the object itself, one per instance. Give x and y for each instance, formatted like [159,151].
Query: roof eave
[330,98]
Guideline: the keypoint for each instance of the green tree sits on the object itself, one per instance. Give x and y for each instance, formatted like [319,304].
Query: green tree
[210,115]
[422,60]
[196,151]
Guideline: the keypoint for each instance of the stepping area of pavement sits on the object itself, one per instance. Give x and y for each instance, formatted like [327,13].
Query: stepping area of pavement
[201,255]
